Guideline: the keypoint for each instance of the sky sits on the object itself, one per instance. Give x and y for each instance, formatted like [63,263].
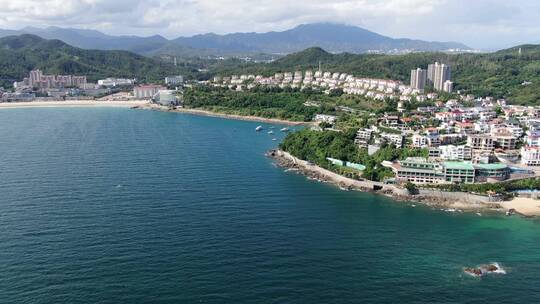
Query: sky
[481,24]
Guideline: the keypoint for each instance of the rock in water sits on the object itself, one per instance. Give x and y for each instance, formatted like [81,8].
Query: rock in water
[484,270]
[477,272]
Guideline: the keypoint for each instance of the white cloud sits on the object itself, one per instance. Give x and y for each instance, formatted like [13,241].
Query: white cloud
[476,22]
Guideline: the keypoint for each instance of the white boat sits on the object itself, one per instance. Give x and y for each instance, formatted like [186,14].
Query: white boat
[285,130]
[270,132]
[259,128]
[274,139]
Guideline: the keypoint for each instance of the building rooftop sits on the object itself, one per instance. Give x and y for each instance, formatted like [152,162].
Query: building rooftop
[416,160]
[459,165]
[497,166]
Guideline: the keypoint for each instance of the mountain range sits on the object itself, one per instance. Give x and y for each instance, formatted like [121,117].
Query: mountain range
[334,38]
[512,73]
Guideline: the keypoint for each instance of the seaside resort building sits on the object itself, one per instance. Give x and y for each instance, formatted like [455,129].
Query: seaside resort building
[423,171]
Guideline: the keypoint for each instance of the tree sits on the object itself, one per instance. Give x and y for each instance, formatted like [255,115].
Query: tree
[411,188]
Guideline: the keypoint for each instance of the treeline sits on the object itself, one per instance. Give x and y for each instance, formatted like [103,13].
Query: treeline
[270,102]
[316,146]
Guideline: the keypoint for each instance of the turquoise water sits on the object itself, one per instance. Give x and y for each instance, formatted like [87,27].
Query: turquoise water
[126,206]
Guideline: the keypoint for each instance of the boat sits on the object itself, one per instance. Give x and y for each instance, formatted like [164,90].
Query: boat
[285,130]
[270,132]
[259,128]
[274,139]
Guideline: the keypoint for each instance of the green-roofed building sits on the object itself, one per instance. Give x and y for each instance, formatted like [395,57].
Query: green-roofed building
[498,171]
[459,172]
[341,163]
[419,171]
[422,171]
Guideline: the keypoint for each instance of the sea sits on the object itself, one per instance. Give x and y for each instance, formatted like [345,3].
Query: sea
[103,205]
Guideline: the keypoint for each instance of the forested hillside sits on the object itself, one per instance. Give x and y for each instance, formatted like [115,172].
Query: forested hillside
[20,54]
[499,74]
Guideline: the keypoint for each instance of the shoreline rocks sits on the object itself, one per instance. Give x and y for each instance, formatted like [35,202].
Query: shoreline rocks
[440,200]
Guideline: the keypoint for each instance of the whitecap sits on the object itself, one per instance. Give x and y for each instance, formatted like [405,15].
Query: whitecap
[500,269]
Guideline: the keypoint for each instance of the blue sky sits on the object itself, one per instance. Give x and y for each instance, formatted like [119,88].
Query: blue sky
[485,24]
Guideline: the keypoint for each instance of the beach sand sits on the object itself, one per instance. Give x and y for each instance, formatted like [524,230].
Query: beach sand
[72,103]
[224,115]
[523,205]
[240,117]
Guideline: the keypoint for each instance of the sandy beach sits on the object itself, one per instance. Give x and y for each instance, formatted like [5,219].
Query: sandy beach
[141,104]
[72,103]
[240,117]
[523,205]
[223,115]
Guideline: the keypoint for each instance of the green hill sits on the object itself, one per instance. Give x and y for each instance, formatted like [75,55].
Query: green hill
[499,74]
[20,54]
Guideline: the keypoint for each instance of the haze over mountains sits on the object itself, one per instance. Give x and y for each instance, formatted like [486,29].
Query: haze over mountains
[335,38]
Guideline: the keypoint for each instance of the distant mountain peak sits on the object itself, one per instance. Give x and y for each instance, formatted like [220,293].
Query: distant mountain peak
[328,25]
[332,37]
[21,41]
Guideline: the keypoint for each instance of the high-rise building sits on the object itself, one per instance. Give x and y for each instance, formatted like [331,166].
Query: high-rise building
[440,73]
[431,73]
[418,79]
[79,81]
[35,78]
[64,80]
[448,86]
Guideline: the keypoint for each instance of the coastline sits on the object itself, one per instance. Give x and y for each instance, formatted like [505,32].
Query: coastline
[525,206]
[224,115]
[447,201]
[72,103]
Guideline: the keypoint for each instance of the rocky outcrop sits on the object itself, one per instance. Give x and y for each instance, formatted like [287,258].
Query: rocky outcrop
[484,270]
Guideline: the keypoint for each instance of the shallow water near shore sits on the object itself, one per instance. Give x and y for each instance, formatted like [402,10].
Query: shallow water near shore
[104,205]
